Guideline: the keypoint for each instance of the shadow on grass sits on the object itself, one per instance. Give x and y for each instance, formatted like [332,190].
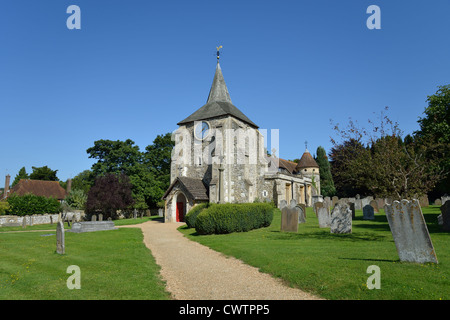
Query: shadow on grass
[325,235]
[367,259]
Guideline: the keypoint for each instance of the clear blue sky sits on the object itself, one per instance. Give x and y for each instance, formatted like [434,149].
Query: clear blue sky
[138,67]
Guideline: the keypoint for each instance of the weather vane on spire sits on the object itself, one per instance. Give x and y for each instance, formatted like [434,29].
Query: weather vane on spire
[218,52]
[306,144]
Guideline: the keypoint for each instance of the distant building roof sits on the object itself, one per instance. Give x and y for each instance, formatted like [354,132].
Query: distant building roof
[218,103]
[39,188]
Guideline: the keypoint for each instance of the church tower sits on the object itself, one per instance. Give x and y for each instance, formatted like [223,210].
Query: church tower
[218,155]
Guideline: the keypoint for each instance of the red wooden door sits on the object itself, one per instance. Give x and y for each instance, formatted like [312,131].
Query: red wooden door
[180,211]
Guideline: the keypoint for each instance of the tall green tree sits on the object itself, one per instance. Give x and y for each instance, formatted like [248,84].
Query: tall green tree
[44,173]
[149,171]
[22,174]
[326,179]
[83,181]
[380,161]
[158,159]
[435,126]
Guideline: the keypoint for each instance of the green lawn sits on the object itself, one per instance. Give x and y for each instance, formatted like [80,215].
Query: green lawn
[334,266]
[114,265]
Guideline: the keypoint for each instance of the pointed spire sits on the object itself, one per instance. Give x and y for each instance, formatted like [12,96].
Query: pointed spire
[218,91]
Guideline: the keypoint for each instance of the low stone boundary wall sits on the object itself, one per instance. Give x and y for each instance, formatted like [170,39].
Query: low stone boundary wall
[17,221]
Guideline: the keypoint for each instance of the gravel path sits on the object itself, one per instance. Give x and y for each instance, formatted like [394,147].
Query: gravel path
[195,272]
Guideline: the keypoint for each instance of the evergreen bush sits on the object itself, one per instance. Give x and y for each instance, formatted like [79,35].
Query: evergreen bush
[191,217]
[227,218]
[30,204]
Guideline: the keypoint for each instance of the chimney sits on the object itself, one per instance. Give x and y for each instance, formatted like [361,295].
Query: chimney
[68,186]
[7,180]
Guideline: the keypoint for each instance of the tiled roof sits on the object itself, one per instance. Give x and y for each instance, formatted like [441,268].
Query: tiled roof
[307,161]
[39,188]
[194,187]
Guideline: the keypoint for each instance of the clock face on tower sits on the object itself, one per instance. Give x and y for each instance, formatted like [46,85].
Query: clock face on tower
[201,130]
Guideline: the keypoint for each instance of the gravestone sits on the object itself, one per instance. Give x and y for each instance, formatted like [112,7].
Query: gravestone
[323,215]
[358,204]
[134,214]
[91,226]
[316,206]
[423,200]
[283,203]
[352,208]
[374,205]
[334,200]
[445,212]
[24,222]
[341,218]
[410,232]
[437,202]
[368,212]
[289,217]
[100,217]
[380,203]
[60,238]
[94,217]
[160,212]
[302,213]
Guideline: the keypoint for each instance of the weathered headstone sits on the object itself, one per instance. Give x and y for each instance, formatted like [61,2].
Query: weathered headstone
[302,213]
[60,238]
[160,212]
[423,200]
[316,206]
[323,215]
[94,217]
[380,203]
[334,200]
[283,203]
[374,205]
[100,217]
[437,202]
[368,212]
[358,204]
[352,208]
[410,232]
[341,218]
[289,217]
[445,211]
[24,222]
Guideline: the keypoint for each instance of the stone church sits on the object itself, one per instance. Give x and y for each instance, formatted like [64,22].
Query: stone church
[220,157]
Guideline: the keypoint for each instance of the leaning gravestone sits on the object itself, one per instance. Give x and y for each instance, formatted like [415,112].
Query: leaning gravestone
[410,232]
[368,212]
[289,217]
[302,213]
[323,215]
[445,212]
[60,239]
[341,218]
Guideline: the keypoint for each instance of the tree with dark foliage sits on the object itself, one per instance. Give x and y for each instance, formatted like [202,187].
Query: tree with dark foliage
[110,193]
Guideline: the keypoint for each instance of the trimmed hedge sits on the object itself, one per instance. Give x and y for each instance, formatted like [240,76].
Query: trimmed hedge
[227,218]
[191,217]
[30,204]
